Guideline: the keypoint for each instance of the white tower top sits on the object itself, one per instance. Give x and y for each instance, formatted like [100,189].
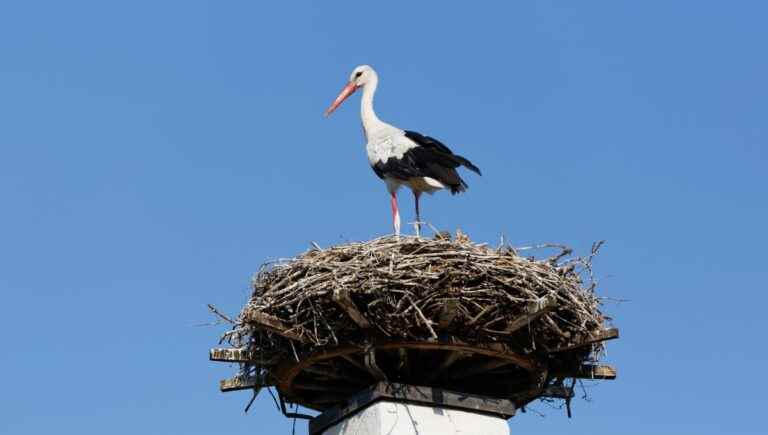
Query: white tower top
[398,409]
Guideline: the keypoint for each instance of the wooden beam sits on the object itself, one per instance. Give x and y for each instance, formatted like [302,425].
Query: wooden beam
[480,368]
[275,325]
[352,360]
[236,355]
[344,300]
[447,362]
[324,372]
[329,398]
[337,373]
[533,311]
[496,350]
[373,368]
[404,365]
[328,387]
[592,371]
[604,335]
[287,369]
[350,375]
[589,371]
[240,383]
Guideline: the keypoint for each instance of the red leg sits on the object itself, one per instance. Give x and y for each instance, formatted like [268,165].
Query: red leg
[395,213]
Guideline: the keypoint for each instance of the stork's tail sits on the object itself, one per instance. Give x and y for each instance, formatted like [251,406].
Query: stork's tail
[467,164]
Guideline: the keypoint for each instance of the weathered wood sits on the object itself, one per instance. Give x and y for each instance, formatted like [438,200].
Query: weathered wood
[404,361]
[350,375]
[275,325]
[352,360]
[590,371]
[447,362]
[498,350]
[480,368]
[604,335]
[325,399]
[240,383]
[333,387]
[344,300]
[321,371]
[373,368]
[238,355]
[286,371]
[533,311]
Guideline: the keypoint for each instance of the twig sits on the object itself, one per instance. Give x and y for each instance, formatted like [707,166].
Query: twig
[221,315]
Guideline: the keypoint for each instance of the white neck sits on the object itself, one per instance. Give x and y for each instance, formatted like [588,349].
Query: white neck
[371,122]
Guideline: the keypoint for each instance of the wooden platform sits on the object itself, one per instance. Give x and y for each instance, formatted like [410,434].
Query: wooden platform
[326,378]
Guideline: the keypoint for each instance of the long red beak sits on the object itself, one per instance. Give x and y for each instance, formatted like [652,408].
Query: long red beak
[343,95]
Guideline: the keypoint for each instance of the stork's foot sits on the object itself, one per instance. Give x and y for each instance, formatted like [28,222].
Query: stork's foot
[417,227]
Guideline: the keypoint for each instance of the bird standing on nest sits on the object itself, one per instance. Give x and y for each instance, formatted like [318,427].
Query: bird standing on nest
[402,157]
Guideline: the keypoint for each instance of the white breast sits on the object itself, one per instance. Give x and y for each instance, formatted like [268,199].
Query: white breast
[392,144]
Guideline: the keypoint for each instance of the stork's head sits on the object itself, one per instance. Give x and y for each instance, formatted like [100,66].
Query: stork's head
[360,76]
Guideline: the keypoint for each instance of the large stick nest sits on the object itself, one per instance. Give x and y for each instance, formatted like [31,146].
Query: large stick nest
[420,289]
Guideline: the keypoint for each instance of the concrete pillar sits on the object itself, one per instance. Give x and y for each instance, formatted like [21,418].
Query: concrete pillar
[394,418]
[399,409]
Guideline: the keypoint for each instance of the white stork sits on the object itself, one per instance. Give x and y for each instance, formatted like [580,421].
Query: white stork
[402,157]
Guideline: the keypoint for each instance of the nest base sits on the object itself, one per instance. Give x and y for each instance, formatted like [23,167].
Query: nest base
[328,377]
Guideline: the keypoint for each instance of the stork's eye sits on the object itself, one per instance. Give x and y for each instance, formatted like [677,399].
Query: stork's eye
[358,74]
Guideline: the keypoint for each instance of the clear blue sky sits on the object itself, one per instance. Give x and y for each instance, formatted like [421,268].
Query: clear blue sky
[153,154]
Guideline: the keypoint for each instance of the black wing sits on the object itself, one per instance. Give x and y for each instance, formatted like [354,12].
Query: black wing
[430,158]
[441,152]
[401,169]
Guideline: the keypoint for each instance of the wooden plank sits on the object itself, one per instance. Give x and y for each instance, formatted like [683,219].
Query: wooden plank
[323,372]
[240,383]
[590,371]
[236,355]
[534,310]
[604,335]
[344,300]
[275,325]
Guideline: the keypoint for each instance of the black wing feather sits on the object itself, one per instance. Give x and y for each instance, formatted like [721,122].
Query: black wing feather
[445,154]
[431,158]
